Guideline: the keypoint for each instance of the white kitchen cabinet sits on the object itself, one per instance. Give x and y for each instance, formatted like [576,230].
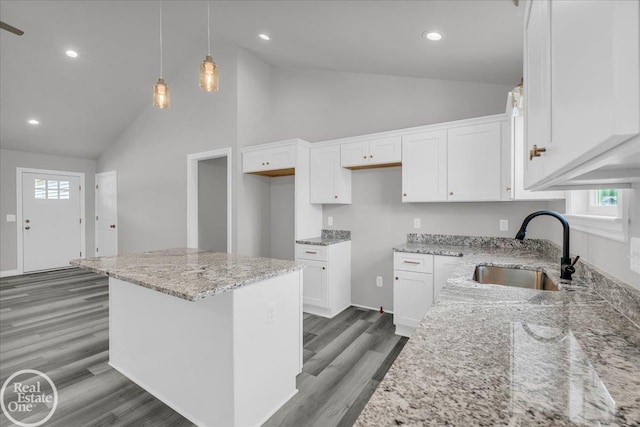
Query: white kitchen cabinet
[474,163]
[269,160]
[412,290]
[328,181]
[582,92]
[376,152]
[519,162]
[457,163]
[326,289]
[424,167]
[443,267]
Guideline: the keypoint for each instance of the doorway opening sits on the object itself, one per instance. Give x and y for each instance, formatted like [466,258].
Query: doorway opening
[209,198]
[50,219]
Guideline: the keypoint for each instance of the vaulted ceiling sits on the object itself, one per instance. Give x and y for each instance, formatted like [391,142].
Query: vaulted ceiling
[84,104]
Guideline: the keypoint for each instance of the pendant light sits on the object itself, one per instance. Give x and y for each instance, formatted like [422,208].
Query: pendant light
[160,89]
[208,68]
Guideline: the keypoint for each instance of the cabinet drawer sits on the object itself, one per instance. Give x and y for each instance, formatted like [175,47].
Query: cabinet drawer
[420,263]
[311,252]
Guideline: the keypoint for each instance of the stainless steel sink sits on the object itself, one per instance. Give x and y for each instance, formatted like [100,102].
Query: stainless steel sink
[518,277]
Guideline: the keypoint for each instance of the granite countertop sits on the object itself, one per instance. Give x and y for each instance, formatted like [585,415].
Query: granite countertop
[430,249]
[497,355]
[191,274]
[327,237]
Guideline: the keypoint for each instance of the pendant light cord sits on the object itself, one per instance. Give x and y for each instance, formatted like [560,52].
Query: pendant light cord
[160,39]
[209,28]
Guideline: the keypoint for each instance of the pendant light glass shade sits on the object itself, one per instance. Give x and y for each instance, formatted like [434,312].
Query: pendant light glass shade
[161,95]
[208,75]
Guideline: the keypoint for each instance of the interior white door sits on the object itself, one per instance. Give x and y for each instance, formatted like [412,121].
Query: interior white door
[51,221]
[106,214]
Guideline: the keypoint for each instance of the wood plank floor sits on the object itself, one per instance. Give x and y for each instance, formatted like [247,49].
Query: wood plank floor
[57,323]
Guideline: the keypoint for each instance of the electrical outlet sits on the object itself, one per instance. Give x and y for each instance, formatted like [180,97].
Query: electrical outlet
[11,218]
[416,222]
[329,220]
[504,225]
[271,313]
[634,254]
[379,281]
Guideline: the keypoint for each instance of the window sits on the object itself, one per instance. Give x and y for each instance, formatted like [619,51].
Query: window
[601,212]
[51,189]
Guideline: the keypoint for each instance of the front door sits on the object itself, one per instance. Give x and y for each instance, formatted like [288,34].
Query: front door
[106,214]
[51,221]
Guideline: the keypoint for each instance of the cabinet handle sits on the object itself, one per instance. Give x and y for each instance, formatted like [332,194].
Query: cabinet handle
[371,156]
[335,197]
[405,194]
[267,162]
[364,157]
[396,277]
[411,262]
[324,268]
[262,163]
[451,193]
[310,252]
[535,152]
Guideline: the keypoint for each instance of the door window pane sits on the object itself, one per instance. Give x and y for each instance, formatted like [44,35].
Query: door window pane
[40,186]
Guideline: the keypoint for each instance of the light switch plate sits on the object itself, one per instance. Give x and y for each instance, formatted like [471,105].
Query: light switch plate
[329,220]
[11,218]
[416,222]
[634,254]
[504,225]
[379,281]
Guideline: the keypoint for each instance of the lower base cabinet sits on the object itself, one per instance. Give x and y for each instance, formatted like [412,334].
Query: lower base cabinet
[326,288]
[418,279]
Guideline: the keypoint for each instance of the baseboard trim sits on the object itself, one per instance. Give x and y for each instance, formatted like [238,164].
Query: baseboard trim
[370,308]
[9,273]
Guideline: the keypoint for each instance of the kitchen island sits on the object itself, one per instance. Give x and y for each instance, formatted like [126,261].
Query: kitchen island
[496,355]
[215,336]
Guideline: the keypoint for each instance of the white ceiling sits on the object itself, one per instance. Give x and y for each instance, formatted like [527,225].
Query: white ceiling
[84,104]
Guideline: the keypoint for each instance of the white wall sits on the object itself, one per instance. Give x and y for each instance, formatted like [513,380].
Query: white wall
[9,161]
[318,105]
[150,155]
[212,204]
[378,221]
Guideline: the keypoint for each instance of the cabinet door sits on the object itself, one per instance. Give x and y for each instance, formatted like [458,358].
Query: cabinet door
[474,163]
[328,182]
[314,284]
[385,150]
[354,154]
[424,167]
[412,296]
[537,86]
[443,267]
[253,161]
[280,158]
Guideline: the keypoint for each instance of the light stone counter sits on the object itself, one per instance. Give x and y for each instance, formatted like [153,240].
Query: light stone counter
[191,274]
[495,355]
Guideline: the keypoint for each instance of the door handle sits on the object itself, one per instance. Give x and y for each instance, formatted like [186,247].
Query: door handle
[112,226]
[27,228]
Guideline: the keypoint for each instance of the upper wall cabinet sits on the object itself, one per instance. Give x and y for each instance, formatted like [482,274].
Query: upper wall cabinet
[582,93]
[372,153]
[328,182]
[424,167]
[279,161]
[461,163]
[474,163]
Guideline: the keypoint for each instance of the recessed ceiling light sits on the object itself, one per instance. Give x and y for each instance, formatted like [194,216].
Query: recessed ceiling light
[72,53]
[434,36]
[33,122]
[265,37]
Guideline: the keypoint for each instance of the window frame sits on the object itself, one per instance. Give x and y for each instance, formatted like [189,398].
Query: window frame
[609,222]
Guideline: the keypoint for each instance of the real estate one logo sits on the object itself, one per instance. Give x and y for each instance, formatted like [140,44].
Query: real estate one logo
[28,398]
